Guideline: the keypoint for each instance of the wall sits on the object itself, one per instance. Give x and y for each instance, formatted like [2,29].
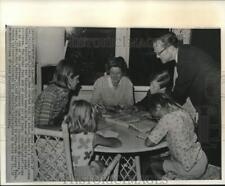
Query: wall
[50,45]
[50,49]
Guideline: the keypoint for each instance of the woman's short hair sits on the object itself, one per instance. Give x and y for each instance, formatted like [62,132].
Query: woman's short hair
[168,39]
[64,69]
[117,62]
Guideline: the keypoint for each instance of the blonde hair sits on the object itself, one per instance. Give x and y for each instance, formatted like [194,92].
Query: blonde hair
[83,117]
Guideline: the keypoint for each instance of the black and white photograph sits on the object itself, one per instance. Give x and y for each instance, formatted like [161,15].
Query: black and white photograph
[111,93]
[115,104]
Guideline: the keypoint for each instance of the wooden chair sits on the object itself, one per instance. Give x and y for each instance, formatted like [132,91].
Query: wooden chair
[52,157]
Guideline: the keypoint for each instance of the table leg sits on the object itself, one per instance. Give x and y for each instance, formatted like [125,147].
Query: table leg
[138,167]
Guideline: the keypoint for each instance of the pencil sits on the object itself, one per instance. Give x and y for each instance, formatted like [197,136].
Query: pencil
[141,137]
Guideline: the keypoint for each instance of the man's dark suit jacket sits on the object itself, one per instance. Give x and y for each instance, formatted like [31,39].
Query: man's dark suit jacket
[198,78]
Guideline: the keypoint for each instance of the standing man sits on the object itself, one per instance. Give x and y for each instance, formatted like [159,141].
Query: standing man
[195,76]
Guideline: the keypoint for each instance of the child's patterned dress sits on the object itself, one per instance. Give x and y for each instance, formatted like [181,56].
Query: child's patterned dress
[82,151]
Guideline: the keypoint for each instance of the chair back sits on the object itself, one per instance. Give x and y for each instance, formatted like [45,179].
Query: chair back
[52,156]
[53,159]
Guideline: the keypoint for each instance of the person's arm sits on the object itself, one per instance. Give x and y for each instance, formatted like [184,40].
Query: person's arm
[158,84]
[96,93]
[130,93]
[45,110]
[108,142]
[158,133]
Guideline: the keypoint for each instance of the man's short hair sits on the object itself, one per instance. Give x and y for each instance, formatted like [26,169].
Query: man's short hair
[168,39]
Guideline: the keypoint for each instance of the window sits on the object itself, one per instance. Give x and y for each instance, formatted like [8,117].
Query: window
[93,46]
[143,63]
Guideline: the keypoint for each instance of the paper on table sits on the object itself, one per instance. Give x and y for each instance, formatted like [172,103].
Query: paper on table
[143,126]
[108,134]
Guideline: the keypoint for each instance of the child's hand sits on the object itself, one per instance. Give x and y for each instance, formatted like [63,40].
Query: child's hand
[73,81]
[67,119]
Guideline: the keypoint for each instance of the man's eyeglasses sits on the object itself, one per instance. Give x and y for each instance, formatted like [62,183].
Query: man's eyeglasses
[159,53]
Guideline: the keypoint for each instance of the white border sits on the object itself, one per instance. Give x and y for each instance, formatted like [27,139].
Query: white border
[117,13]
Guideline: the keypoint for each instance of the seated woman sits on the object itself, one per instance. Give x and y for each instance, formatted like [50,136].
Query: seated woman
[114,88]
[51,105]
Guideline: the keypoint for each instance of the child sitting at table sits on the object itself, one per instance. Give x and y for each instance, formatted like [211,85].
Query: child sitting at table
[82,121]
[187,159]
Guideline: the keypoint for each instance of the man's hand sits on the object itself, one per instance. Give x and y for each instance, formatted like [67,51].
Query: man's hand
[158,82]
[155,87]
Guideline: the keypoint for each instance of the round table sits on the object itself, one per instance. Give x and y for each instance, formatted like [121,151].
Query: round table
[131,145]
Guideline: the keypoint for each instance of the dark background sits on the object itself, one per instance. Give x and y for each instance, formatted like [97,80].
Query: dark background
[94,46]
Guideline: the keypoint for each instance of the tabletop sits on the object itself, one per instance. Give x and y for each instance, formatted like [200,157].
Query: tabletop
[131,143]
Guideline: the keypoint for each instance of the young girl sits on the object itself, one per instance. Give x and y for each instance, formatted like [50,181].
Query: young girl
[187,159]
[51,104]
[82,121]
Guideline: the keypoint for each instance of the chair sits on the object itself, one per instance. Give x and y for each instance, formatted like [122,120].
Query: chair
[52,157]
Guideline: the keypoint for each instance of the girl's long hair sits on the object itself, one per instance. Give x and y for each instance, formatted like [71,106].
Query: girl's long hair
[63,70]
